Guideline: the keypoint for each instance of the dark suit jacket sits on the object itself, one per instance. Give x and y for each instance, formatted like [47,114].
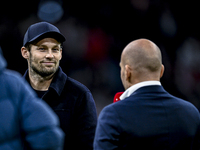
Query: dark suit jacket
[150,118]
[75,107]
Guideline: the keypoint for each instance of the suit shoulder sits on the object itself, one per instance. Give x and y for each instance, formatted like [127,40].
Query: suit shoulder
[181,101]
[184,106]
[108,110]
[113,108]
[187,104]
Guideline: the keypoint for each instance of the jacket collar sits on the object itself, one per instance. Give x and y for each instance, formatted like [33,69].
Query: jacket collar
[57,83]
[133,88]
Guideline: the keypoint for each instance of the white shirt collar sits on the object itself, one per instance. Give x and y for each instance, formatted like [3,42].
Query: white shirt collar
[133,88]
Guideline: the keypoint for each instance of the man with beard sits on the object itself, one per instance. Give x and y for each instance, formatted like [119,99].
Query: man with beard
[71,100]
[22,125]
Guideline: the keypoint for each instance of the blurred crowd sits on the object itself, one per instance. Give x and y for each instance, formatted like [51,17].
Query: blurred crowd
[96,33]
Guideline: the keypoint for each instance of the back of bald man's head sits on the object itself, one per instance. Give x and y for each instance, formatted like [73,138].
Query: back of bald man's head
[142,55]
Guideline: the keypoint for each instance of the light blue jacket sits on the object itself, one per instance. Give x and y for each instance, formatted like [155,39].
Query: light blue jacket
[25,121]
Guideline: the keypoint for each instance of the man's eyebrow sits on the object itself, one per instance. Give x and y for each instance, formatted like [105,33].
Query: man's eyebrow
[57,45]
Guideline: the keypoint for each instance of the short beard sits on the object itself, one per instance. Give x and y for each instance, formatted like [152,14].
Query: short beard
[43,72]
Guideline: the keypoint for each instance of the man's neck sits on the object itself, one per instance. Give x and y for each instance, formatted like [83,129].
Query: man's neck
[40,83]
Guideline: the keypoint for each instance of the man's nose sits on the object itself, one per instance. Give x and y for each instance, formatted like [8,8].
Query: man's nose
[49,54]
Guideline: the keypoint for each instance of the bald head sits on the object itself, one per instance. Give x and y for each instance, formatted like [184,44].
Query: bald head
[144,60]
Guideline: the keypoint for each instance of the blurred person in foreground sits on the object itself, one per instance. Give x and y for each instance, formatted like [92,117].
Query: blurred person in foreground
[71,100]
[147,116]
[26,122]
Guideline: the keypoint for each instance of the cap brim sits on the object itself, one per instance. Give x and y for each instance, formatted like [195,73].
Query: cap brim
[55,35]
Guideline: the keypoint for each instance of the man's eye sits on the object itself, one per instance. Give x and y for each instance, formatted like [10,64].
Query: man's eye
[41,49]
[55,49]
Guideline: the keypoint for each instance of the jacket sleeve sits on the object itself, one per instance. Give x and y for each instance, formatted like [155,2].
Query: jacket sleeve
[39,123]
[85,123]
[107,131]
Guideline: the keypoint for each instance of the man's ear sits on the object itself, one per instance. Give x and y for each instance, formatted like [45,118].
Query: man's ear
[162,71]
[61,53]
[128,73]
[25,52]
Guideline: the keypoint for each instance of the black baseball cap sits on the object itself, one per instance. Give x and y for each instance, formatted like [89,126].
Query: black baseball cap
[42,30]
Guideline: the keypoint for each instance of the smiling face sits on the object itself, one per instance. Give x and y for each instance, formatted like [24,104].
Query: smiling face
[44,57]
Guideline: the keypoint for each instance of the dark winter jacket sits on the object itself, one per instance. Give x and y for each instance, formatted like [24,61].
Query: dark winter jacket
[75,107]
[25,121]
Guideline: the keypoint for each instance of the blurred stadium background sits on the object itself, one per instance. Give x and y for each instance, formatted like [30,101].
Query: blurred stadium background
[96,33]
